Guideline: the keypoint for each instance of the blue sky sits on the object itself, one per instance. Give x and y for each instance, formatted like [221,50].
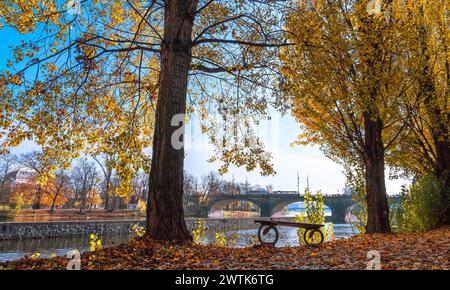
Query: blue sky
[309,161]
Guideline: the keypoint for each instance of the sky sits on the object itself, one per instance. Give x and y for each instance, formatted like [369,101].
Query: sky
[278,134]
[310,163]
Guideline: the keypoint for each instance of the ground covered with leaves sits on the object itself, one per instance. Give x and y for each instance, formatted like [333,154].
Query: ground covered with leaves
[430,250]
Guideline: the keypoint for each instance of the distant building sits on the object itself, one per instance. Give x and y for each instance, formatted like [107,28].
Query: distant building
[21,175]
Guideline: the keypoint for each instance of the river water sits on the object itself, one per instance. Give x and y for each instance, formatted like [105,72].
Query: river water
[14,250]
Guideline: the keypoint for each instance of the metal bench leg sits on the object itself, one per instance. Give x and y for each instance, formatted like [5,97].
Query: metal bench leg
[264,230]
[313,237]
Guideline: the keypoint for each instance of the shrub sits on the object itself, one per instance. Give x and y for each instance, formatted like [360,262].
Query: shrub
[138,230]
[95,243]
[357,184]
[359,212]
[16,202]
[315,214]
[223,241]
[141,205]
[35,256]
[198,234]
[421,205]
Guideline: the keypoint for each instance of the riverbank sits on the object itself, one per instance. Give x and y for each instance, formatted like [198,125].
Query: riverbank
[45,215]
[11,250]
[59,229]
[429,250]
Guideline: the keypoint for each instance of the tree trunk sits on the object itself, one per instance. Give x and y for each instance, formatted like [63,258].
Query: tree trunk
[37,199]
[443,169]
[377,204]
[445,153]
[53,203]
[441,139]
[83,198]
[106,201]
[108,174]
[52,209]
[165,215]
[438,122]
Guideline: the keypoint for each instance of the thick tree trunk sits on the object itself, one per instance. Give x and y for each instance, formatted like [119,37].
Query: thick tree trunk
[441,138]
[165,215]
[377,204]
[446,149]
[443,169]
[438,120]
[438,124]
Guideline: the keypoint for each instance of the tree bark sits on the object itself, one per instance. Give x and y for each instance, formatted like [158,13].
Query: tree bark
[107,173]
[54,201]
[446,217]
[439,122]
[441,140]
[165,214]
[37,199]
[377,204]
[440,132]
[374,152]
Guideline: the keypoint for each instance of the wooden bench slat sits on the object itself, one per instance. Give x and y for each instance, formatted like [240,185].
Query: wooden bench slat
[289,224]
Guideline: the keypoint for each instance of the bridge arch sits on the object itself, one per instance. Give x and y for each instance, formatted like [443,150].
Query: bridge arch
[220,204]
[280,206]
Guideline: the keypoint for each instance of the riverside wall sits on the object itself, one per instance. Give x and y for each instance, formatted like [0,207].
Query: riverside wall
[56,229]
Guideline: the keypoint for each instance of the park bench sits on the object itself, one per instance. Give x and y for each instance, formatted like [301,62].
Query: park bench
[312,235]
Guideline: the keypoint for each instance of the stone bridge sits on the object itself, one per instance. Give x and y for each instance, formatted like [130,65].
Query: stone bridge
[270,203]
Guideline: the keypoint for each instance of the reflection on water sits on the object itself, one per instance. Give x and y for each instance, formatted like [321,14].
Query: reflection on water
[297,208]
[288,235]
[14,250]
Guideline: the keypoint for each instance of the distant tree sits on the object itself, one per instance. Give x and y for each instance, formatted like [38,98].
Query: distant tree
[7,163]
[245,187]
[190,185]
[93,198]
[105,163]
[53,193]
[57,190]
[211,184]
[86,178]
[140,186]
[41,165]
[23,194]
[191,188]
